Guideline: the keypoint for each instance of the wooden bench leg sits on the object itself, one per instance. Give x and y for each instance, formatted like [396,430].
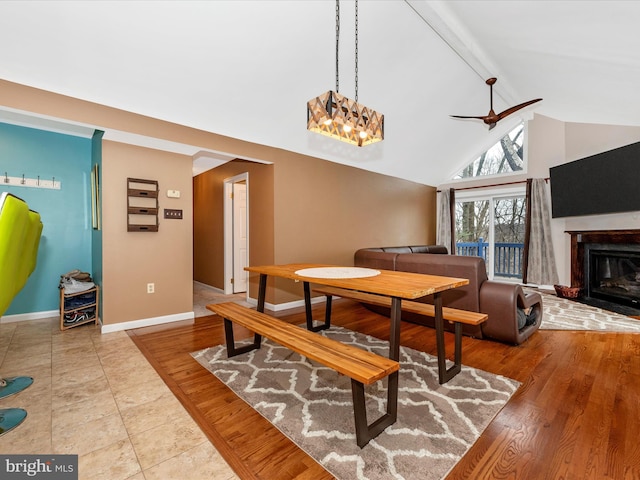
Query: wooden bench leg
[444,374]
[364,431]
[232,351]
[309,316]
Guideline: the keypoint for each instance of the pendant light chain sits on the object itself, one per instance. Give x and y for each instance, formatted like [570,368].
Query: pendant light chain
[356,51]
[336,116]
[337,43]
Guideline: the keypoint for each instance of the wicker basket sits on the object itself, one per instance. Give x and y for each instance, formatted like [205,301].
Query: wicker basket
[567,292]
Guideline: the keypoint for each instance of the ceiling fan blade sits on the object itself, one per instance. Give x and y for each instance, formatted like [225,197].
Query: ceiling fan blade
[465,116]
[509,111]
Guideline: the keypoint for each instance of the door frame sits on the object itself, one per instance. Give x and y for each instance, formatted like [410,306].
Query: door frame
[228,228]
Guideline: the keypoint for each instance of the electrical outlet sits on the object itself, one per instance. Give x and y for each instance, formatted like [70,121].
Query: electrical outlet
[151,287]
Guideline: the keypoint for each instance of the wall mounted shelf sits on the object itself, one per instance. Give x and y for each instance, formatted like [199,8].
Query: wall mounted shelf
[142,205]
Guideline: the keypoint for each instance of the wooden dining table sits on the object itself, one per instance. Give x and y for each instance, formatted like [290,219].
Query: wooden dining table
[393,284]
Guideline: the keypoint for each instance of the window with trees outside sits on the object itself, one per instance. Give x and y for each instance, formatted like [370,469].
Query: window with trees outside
[490,223]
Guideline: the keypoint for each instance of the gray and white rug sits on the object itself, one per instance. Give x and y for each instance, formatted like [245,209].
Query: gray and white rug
[564,314]
[312,405]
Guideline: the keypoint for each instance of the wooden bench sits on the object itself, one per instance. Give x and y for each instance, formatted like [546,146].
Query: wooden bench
[458,317]
[363,367]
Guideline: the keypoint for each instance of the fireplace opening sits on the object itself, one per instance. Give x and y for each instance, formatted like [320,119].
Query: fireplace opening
[613,276]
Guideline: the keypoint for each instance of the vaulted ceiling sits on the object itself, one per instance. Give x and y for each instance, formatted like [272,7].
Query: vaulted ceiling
[246,69]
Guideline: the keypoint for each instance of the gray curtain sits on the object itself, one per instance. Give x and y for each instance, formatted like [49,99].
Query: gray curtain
[540,263]
[445,203]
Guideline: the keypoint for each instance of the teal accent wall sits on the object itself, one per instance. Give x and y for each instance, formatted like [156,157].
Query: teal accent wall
[66,241]
[96,237]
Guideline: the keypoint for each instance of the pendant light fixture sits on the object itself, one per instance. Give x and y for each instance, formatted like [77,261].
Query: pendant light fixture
[338,117]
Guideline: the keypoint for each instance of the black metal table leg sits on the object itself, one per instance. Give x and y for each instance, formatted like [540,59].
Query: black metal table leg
[309,314]
[444,374]
[394,336]
[262,292]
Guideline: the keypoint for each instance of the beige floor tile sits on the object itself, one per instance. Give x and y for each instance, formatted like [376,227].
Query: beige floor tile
[163,442]
[93,435]
[32,437]
[76,377]
[149,415]
[97,396]
[67,395]
[134,392]
[201,461]
[63,364]
[78,413]
[117,461]
[21,362]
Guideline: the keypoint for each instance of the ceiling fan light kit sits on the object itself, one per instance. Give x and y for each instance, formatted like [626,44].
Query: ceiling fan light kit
[339,117]
[492,117]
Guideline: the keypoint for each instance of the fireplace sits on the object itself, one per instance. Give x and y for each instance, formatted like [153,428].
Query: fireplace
[605,265]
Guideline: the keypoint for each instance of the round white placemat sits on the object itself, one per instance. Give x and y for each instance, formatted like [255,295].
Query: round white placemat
[337,272]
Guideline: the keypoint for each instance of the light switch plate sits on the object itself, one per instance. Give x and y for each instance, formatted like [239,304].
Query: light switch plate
[172,213]
[173,193]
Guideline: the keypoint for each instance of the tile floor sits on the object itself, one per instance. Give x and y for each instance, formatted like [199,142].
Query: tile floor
[97,396]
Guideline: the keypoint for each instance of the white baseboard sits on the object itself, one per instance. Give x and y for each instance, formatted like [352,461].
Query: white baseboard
[147,322]
[285,306]
[23,317]
[209,287]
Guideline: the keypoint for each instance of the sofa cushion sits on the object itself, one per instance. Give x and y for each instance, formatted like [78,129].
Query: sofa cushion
[375,258]
[397,249]
[471,268]
[429,249]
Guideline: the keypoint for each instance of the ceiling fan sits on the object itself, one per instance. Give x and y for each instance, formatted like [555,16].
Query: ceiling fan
[492,117]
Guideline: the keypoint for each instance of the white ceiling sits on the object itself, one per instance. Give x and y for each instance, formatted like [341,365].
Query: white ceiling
[246,69]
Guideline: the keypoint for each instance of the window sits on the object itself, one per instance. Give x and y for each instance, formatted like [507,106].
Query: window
[492,226]
[505,157]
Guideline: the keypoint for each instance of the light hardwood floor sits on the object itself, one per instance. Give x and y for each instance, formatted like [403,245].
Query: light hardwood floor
[576,415]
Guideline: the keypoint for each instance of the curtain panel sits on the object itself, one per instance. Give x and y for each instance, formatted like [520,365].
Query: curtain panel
[445,232]
[539,258]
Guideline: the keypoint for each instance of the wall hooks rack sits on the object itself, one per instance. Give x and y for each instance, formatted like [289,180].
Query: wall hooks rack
[22,181]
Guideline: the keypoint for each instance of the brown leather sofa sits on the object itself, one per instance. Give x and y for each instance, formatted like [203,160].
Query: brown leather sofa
[513,315]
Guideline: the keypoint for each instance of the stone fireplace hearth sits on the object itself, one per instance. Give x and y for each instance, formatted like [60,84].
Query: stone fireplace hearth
[605,265]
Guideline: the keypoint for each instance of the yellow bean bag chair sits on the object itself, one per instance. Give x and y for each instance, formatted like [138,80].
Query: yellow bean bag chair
[20,231]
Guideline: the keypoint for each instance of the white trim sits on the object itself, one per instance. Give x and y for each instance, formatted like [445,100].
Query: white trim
[285,306]
[24,317]
[228,227]
[147,322]
[492,192]
[209,287]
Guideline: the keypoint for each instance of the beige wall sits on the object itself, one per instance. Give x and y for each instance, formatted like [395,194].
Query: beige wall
[320,211]
[304,209]
[208,250]
[325,211]
[131,260]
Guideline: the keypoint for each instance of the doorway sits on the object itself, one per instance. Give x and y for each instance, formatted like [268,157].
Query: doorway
[236,233]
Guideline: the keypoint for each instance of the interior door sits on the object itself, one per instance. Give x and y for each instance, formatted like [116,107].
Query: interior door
[240,253]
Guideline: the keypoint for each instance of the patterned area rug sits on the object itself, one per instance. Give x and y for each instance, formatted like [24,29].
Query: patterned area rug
[312,405]
[563,314]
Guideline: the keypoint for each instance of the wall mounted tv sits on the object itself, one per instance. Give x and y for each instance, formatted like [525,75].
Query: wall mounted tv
[608,182]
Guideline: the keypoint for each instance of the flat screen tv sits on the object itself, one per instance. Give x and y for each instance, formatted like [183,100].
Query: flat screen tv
[608,182]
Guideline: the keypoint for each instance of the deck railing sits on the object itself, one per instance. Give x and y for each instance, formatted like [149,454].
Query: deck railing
[507,258]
